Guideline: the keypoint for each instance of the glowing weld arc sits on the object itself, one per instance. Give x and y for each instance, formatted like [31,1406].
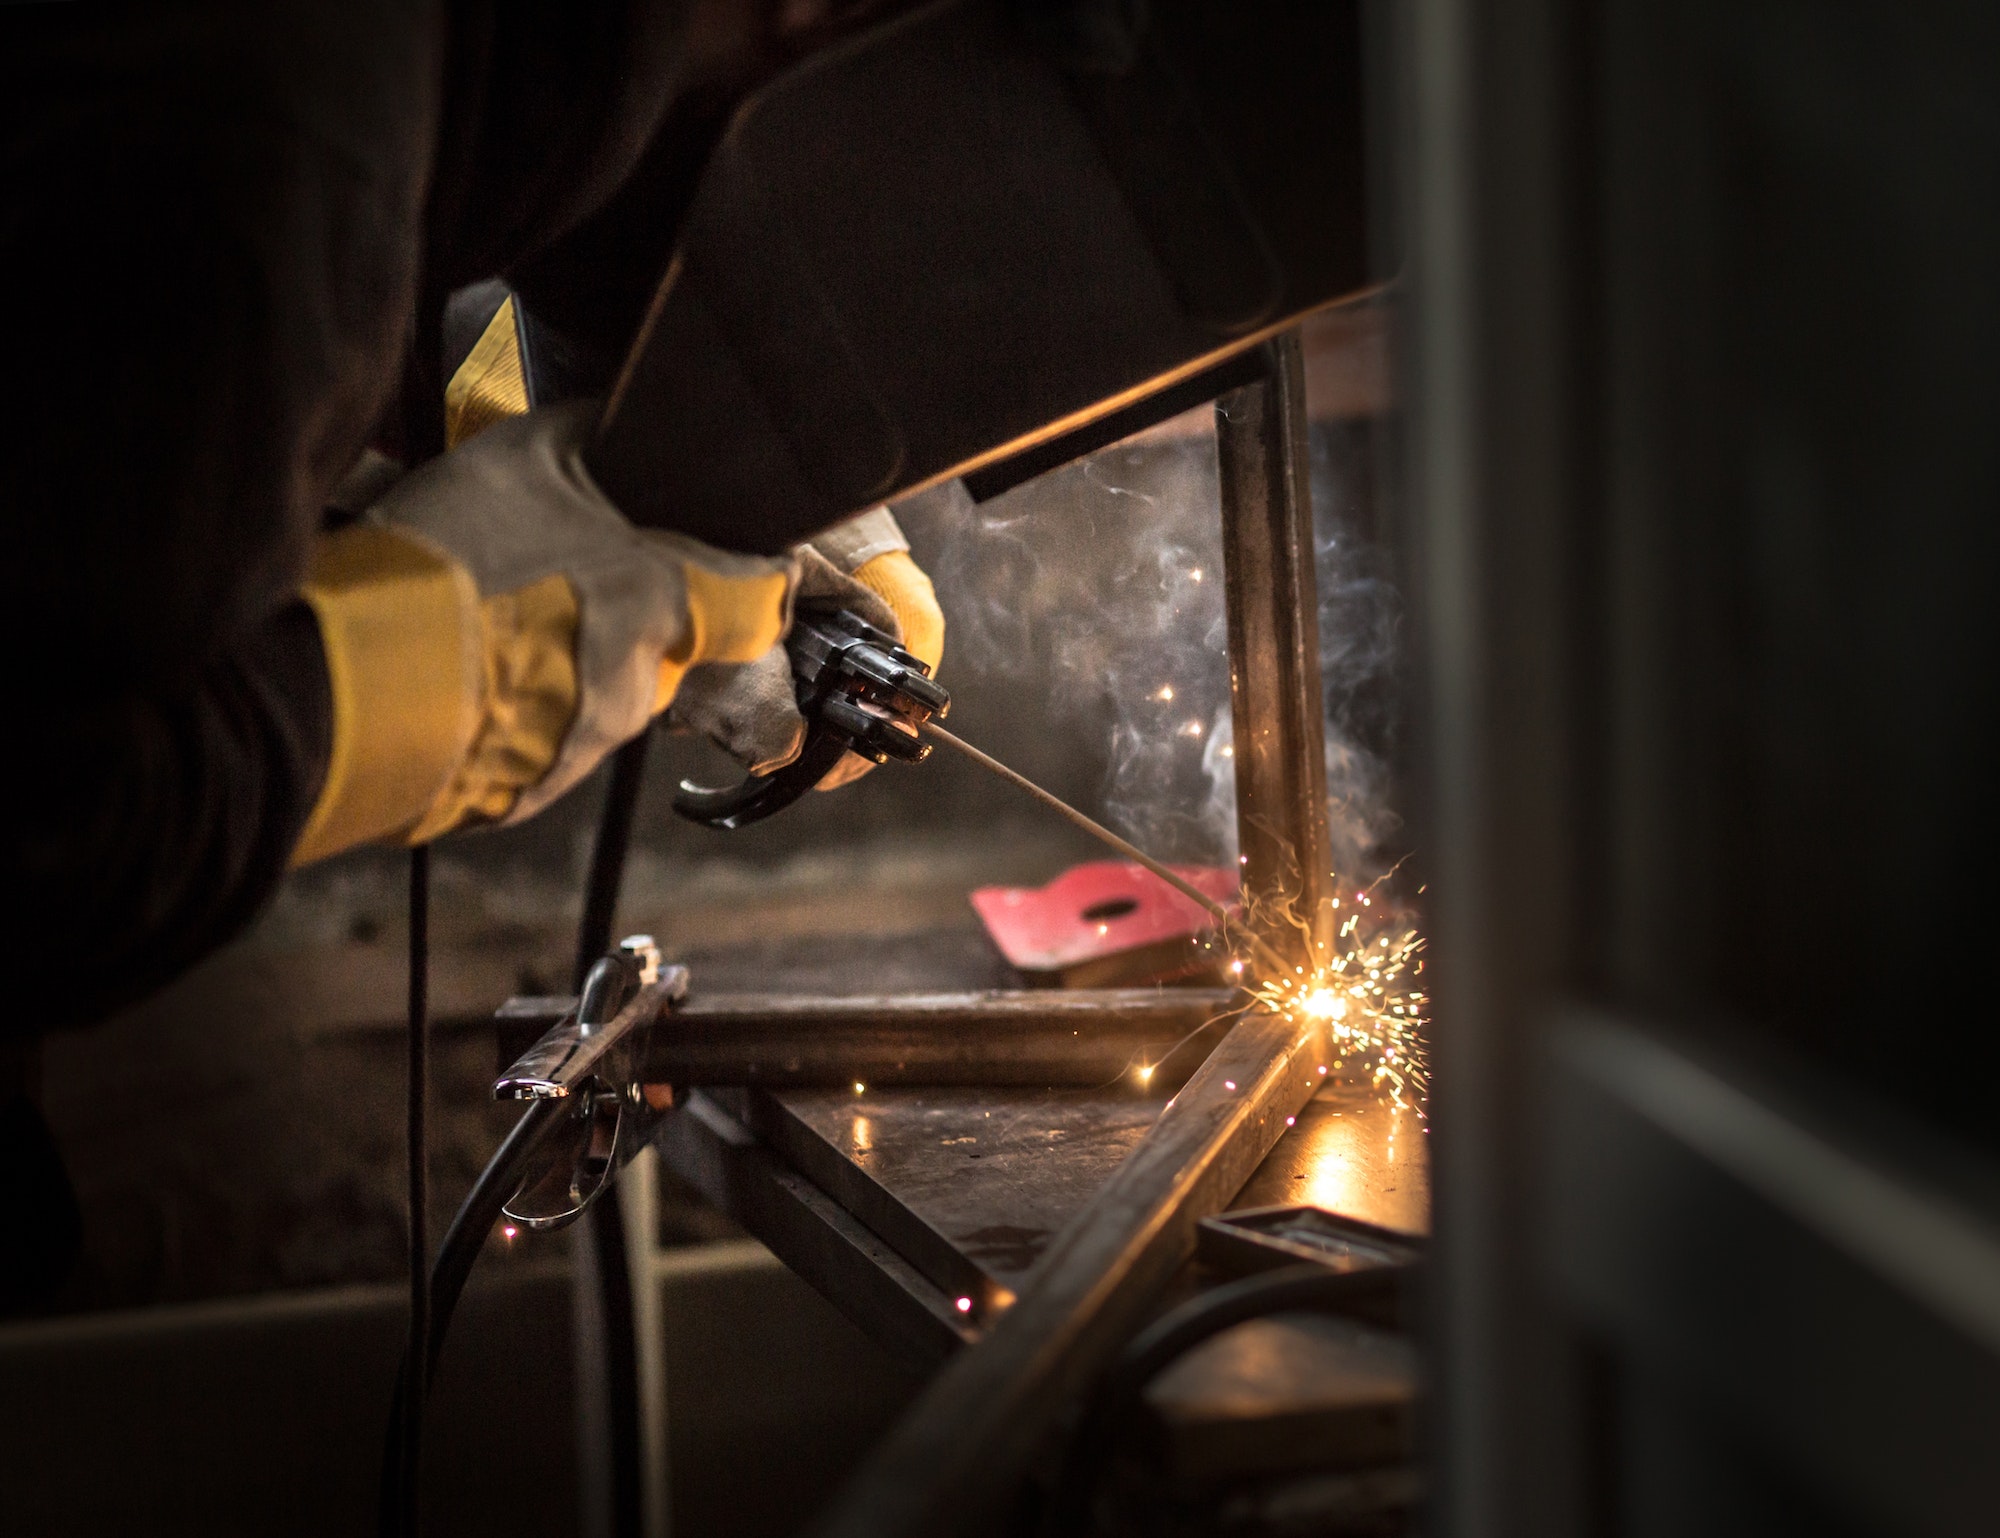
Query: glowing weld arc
[1363,1017]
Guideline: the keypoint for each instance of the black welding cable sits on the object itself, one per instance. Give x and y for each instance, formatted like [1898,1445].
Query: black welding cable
[501,1178]
[423,428]
[463,1241]
[410,1420]
[604,1225]
[1303,1288]
[404,1454]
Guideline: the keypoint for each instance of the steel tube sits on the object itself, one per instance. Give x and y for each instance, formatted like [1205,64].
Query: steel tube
[1278,712]
[1095,1038]
[959,1452]
[1076,1037]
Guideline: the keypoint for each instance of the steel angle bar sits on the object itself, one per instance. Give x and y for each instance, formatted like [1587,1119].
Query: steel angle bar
[957,1456]
[845,1261]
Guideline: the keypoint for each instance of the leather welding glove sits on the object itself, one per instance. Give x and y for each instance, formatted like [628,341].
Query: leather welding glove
[494,627]
[750,710]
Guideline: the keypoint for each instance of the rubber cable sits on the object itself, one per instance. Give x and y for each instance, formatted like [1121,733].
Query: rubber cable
[604,1225]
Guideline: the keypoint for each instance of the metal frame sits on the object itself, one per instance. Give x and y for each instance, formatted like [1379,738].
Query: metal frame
[1277,707]
[963,1446]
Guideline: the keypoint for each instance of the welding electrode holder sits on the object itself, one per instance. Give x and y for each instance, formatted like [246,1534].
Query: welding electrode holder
[591,1061]
[859,691]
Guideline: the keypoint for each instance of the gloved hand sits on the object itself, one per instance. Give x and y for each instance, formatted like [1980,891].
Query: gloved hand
[750,710]
[495,627]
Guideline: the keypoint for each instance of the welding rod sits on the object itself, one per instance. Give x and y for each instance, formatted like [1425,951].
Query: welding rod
[1258,947]
[1096,830]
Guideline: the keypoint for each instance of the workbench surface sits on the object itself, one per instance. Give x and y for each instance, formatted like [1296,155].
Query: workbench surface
[965,1188]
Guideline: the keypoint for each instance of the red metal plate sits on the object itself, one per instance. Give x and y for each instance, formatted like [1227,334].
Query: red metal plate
[1106,923]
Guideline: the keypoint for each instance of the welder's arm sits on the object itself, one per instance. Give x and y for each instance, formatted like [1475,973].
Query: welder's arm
[495,627]
[155,822]
[750,710]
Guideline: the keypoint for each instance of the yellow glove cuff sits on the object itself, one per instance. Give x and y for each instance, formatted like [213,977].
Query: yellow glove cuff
[401,630]
[731,618]
[445,708]
[529,654]
[900,583]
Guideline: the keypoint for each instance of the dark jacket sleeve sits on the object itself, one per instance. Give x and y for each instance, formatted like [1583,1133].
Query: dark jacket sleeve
[221,221]
[151,828]
[209,253]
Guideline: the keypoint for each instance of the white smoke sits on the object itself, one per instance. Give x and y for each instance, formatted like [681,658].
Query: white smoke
[1101,584]
[1360,624]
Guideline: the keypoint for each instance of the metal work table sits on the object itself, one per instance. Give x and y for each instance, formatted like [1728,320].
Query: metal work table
[921,1213]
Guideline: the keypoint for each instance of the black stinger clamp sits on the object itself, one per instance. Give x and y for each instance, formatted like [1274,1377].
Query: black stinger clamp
[859,692]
